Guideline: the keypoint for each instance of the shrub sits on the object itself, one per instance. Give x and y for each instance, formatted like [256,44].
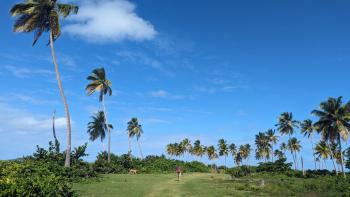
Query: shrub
[277,166]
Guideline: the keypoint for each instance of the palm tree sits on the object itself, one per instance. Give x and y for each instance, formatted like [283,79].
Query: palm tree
[322,151]
[294,147]
[233,150]
[334,123]
[211,152]
[135,129]
[283,147]
[197,149]
[223,149]
[171,149]
[245,153]
[279,154]
[97,127]
[185,145]
[41,16]
[286,125]
[272,138]
[307,129]
[238,159]
[99,82]
[263,146]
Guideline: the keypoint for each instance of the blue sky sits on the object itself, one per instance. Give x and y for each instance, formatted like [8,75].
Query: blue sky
[198,69]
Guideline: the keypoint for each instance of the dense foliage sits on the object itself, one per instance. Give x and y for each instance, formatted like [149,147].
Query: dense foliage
[151,164]
[43,173]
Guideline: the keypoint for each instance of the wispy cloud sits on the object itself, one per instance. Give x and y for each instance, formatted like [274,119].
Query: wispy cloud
[109,20]
[26,72]
[26,99]
[167,95]
[23,122]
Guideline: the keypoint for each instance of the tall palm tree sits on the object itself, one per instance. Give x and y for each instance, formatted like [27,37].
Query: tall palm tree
[307,129]
[334,123]
[286,125]
[41,16]
[185,145]
[211,152]
[322,151]
[223,149]
[245,152]
[135,129]
[294,147]
[197,149]
[97,128]
[238,159]
[263,146]
[171,149]
[272,138]
[233,150]
[100,83]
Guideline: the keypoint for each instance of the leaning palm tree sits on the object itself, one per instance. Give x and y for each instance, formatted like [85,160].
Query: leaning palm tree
[223,149]
[97,128]
[307,129]
[170,148]
[272,138]
[211,152]
[197,149]
[41,16]
[135,129]
[294,147]
[263,146]
[238,159]
[245,152]
[286,125]
[100,83]
[334,123]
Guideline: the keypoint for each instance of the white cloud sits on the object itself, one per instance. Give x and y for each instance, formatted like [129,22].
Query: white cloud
[109,20]
[159,94]
[167,95]
[26,72]
[23,122]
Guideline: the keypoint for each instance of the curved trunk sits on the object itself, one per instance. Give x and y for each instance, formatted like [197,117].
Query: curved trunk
[341,157]
[66,109]
[332,154]
[129,152]
[138,143]
[108,130]
[313,152]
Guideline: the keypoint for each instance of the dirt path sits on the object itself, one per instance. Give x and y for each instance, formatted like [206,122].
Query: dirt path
[172,187]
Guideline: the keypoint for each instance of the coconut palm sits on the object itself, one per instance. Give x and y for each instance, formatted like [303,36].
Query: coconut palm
[223,149]
[233,150]
[171,149]
[238,159]
[185,146]
[97,128]
[307,129]
[272,138]
[263,146]
[286,125]
[322,151]
[279,154]
[245,152]
[294,147]
[283,147]
[100,83]
[211,152]
[197,149]
[41,16]
[334,123]
[135,129]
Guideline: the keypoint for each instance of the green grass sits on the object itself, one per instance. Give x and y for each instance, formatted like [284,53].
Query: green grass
[204,184]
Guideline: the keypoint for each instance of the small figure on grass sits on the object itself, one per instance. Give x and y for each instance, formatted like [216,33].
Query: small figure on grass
[178,173]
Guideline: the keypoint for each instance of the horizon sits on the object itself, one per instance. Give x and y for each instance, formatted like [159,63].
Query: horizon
[186,70]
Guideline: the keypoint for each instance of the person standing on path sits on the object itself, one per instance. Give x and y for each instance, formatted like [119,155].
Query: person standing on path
[178,173]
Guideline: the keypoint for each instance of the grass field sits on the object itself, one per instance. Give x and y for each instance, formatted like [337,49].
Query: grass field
[203,184]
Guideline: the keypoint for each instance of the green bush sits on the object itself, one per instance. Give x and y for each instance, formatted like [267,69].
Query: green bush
[277,166]
[30,178]
[240,171]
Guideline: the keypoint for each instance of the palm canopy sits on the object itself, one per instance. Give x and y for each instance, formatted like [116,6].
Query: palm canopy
[233,149]
[40,16]
[307,128]
[294,145]
[211,152]
[334,119]
[322,150]
[134,128]
[97,127]
[286,124]
[271,136]
[99,82]
[223,148]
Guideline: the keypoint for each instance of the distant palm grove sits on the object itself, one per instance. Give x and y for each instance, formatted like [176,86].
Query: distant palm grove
[332,123]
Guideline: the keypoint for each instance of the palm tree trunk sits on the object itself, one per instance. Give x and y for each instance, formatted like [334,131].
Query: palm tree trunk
[313,152]
[138,143]
[272,154]
[332,154]
[129,141]
[341,157]
[66,109]
[108,130]
[325,164]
